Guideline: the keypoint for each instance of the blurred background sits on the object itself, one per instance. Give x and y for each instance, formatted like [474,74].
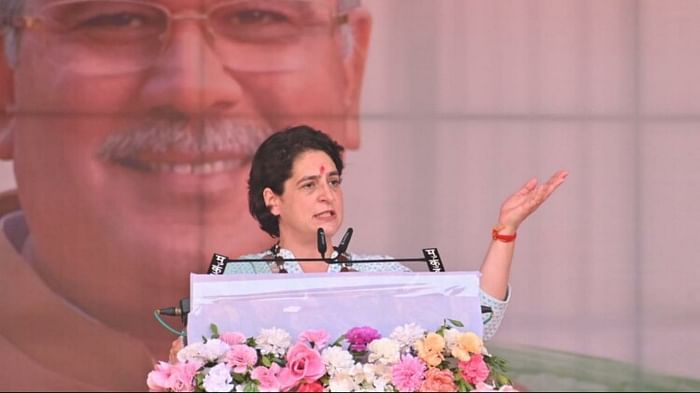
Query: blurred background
[466,100]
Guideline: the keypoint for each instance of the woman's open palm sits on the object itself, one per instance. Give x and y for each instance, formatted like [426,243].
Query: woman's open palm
[526,200]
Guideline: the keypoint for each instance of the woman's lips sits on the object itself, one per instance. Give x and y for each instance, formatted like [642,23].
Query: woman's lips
[326,215]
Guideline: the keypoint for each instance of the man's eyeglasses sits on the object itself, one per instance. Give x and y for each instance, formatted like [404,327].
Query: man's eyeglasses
[107,37]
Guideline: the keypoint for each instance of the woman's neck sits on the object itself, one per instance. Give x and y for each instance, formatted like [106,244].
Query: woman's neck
[307,248]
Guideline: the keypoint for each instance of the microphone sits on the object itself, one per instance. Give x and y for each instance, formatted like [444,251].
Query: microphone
[345,263]
[321,242]
[344,242]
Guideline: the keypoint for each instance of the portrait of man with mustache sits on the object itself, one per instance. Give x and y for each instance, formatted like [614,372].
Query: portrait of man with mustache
[131,126]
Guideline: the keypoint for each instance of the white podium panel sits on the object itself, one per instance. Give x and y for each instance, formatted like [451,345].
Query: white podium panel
[334,302]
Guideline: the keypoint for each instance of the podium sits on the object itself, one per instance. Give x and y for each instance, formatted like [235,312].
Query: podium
[333,302]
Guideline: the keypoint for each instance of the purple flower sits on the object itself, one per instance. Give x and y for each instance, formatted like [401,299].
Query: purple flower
[359,337]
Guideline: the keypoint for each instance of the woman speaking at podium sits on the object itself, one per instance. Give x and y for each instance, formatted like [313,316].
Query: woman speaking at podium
[295,188]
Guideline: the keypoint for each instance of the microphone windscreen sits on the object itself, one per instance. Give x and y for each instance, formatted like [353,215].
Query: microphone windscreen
[345,241]
[321,241]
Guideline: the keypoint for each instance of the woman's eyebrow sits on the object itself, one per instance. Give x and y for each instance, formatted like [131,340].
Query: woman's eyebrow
[316,177]
[307,178]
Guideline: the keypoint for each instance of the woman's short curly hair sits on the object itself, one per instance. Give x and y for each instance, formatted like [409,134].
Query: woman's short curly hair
[272,167]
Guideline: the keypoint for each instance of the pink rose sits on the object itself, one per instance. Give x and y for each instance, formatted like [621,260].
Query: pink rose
[176,378]
[303,364]
[474,370]
[310,387]
[158,380]
[240,357]
[183,376]
[233,338]
[267,378]
[437,380]
[316,338]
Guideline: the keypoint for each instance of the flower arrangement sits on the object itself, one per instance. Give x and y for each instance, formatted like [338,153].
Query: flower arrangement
[410,359]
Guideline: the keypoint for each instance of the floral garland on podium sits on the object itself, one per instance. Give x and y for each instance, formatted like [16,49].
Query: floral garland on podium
[410,359]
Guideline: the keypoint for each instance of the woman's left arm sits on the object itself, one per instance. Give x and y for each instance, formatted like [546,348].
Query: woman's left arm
[495,270]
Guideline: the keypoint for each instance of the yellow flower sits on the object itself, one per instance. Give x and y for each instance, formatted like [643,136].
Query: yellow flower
[467,343]
[430,349]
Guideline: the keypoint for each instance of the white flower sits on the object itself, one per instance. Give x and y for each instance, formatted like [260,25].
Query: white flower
[451,336]
[406,335]
[342,382]
[360,373]
[384,351]
[381,371]
[370,377]
[218,379]
[337,360]
[213,351]
[273,341]
[380,384]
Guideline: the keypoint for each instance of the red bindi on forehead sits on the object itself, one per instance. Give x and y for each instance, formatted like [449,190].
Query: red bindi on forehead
[323,170]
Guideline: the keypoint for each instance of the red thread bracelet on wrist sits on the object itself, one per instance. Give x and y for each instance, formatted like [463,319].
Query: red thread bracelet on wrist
[504,238]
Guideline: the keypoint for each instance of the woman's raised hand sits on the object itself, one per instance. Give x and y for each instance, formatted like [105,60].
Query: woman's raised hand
[526,200]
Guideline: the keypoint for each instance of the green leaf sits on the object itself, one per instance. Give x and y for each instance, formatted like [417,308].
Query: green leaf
[462,384]
[456,323]
[199,382]
[339,341]
[214,330]
[266,361]
[250,387]
[444,324]
[501,379]
[238,378]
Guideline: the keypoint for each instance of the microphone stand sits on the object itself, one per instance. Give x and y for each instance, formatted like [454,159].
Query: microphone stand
[331,261]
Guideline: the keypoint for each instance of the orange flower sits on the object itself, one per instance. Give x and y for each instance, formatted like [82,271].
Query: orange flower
[467,343]
[430,349]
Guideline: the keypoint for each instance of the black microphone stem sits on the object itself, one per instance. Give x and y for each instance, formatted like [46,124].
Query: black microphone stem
[321,242]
